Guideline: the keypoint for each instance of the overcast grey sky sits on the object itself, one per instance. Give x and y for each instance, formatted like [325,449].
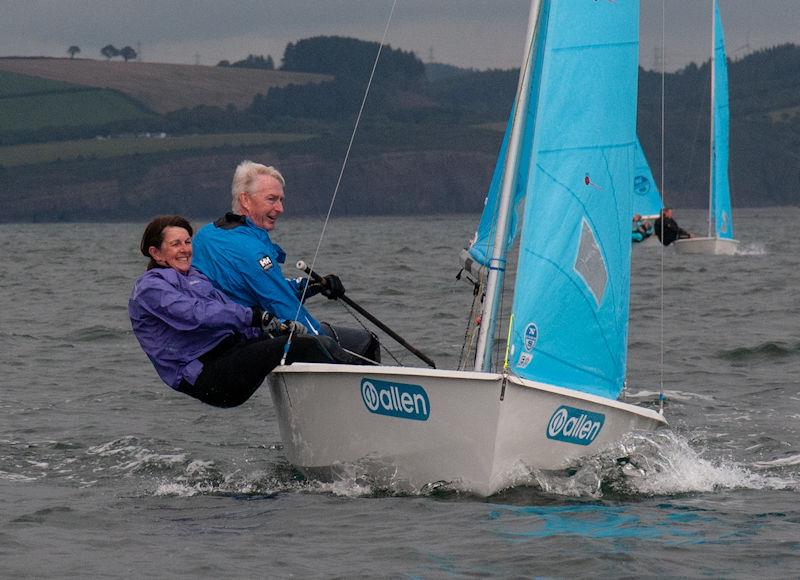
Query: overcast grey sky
[468,33]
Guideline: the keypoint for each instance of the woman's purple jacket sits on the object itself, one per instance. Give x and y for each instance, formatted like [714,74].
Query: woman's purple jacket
[178,317]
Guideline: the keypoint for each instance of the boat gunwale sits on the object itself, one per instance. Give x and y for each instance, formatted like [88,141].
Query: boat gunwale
[705,239]
[324,368]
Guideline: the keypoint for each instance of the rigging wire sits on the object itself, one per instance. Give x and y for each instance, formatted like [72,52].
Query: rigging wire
[364,326]
[663,203]
[469,333]
[344,165]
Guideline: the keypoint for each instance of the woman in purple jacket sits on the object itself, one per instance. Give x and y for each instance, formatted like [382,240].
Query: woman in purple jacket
[200,342]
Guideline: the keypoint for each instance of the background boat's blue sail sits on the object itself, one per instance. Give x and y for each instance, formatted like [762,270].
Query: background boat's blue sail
[570,311]
[721,193]
[646,197]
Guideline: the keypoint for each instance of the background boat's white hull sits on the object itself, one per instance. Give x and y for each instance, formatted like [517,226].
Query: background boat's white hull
[478,435]
[716,246]
[651,242]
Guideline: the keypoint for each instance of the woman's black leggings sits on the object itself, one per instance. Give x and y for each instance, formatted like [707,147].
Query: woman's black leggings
[233,370]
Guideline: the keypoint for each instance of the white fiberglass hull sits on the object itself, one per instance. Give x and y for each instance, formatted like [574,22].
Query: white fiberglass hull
[649,242]
[411,427]
[709,246]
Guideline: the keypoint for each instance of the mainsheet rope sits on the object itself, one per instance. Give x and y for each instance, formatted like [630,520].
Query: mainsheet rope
[341,172]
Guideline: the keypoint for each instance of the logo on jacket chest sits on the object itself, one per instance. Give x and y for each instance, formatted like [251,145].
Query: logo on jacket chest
[265,263]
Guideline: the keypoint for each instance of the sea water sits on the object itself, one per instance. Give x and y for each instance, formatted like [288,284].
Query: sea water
[105,471]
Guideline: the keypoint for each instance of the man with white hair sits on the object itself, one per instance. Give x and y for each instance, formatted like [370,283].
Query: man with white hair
[238,256]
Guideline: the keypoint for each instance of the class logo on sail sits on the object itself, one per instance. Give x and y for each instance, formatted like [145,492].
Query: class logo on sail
[531,336]
[641,185]
[572,425]
[395,399]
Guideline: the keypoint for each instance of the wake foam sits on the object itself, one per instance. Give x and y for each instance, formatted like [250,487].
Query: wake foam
[656,464]
[661,463]
[752,249]
[642,464]
[778,463]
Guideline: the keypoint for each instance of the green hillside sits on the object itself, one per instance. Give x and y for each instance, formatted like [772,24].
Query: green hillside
[18,85]
[30,104]
[103,148]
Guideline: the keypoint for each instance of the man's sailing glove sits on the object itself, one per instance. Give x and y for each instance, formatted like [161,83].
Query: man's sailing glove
[267,321]
[332,287]
[294,328]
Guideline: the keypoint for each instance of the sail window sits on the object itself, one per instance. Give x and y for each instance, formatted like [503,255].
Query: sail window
[589,264]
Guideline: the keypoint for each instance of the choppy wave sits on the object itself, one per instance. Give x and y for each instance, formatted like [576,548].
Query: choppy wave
[98,333]
[670,395]
[768,351]
[790,461]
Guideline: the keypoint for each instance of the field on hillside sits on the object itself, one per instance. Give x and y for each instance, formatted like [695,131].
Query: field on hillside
[35,153]
[14,85]
[30,103]
[162,87]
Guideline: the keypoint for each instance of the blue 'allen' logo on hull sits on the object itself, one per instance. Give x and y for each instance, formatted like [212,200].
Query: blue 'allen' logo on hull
[572,425]
[395,399]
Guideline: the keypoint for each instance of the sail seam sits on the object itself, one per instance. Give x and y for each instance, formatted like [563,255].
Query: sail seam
[593,147]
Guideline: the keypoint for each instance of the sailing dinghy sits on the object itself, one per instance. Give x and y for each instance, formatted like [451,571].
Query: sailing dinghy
[548,396]
[720,220]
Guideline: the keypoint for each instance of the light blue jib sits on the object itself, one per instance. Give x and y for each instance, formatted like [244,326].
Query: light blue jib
[482,245]
[573,278]
[576,426]
[720,186]
[395,399]
[646,197]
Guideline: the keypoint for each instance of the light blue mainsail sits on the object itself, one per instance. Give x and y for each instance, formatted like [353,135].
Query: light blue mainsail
[720,205]
[570,313]
[646,197]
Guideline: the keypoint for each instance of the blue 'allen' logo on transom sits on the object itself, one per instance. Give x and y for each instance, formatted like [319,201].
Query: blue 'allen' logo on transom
[395,399]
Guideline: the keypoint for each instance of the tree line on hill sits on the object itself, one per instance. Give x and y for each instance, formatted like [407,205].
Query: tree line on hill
[109,51]
[252,61]
[408,97]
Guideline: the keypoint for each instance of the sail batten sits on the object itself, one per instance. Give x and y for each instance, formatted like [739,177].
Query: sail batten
[592,46]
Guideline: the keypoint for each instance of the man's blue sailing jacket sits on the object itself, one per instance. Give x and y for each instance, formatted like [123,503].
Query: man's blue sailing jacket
[241,260]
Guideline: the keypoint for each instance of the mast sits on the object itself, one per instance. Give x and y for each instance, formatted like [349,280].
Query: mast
[497,263]
[712,232]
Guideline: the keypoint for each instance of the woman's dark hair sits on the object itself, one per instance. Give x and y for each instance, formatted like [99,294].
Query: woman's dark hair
[154,234]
